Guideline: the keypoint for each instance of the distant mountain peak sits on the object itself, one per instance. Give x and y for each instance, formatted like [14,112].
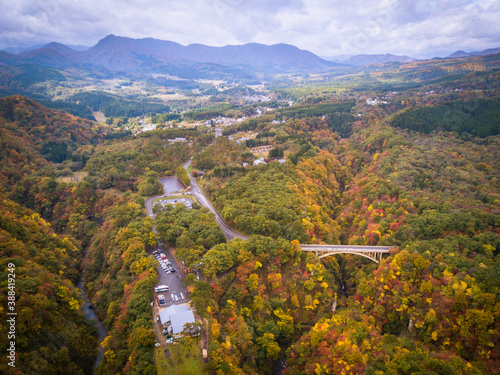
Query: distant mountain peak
[128,54]
[366,59]
[148,55]
[58,47]
[458,53]
[110,40]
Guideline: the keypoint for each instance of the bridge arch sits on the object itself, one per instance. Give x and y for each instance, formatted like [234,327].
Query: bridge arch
[374,253]
[367,256]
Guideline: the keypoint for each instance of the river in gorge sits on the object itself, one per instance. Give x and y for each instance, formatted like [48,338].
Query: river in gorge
[101,330]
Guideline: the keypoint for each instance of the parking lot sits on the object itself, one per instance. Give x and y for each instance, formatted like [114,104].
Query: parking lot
[174,280]
[171,184]
[173,201]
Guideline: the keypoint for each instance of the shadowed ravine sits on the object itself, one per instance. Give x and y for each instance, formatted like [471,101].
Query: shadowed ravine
[101,330]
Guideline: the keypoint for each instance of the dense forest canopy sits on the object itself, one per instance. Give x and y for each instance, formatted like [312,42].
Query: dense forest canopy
[52,334]
[113,106]
[27,126]
[403,155]
[478,117]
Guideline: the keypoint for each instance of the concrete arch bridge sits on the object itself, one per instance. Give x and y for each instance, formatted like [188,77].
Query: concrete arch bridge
[373,253]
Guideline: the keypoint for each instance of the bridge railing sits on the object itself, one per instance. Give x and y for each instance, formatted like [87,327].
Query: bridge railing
[371,252]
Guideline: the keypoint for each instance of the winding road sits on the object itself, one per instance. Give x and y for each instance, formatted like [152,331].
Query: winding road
[203,200]
[371,252]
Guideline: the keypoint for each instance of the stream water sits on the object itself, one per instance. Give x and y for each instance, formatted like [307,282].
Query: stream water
[101,330]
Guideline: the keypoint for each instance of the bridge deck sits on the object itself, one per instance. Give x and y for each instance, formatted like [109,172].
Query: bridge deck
[371,252]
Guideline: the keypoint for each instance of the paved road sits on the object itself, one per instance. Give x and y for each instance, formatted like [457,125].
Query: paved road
[203,200]
[230,233]
[374,253]
[170,184]
[149,204]
[374,249]
[174,280]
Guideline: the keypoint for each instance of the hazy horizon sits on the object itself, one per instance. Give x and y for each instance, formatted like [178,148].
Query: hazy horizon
[420,29]
[81,48]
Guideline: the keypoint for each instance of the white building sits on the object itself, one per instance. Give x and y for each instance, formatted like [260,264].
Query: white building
[257,162]
[176,316]
[176,140]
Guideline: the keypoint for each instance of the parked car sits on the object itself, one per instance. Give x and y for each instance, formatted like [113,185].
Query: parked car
[161,299]
[182,296]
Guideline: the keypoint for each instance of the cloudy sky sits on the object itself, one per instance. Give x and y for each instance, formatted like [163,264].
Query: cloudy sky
[418,28]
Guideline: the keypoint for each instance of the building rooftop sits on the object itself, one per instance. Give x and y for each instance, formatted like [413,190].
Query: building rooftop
[178,315]
[257,162]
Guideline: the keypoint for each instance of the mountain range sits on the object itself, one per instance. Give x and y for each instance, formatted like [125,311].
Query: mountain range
[152,55]
[460,53]
[362,60]
[16,50]
[148,55]
[366,59]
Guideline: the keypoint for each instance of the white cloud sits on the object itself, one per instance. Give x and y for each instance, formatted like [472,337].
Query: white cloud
[420,28]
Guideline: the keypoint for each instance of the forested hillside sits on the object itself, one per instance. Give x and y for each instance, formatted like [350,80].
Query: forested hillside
[265,293]
[478,117]
[434,305]
[52,334]
[189,229]
[378,159]
[31,133]
[120,277]
[134,163]
[431,192]
[113,106]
